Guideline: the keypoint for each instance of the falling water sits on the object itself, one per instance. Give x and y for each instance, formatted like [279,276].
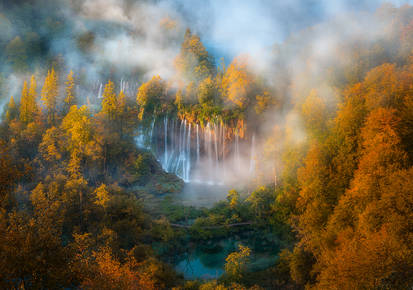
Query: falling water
[100,91]
[165,143]
[216,144]
[197,143]
[188,159]
[237,158]
[151,134]
[203,160]
[252,155]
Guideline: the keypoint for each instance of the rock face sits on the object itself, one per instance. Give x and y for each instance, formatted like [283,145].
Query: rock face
[146,175]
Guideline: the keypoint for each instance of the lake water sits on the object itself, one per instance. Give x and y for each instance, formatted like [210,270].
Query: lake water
[208,262]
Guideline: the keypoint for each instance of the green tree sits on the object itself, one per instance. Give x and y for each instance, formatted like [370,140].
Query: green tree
[233,198]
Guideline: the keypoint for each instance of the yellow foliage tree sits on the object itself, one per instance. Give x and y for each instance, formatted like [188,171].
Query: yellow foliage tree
[28,105]
[50,92]
[236,262]
[70,98]
[109,101]
[237,82]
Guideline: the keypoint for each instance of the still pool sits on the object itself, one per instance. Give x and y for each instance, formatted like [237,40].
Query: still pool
[208,262]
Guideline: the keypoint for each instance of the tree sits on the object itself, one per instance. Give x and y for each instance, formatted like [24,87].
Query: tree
[9,174]
[102,195]
[70,98]
[237,83]
[233,198]
[25,112]
[260,200]
[194,62]
[50,92]
[109,101]
[121,113]
[28,104]
[51,147]
[371,245]
[12,110]
[314,113]
[301,263]
[78,127]
[237,262]
[207,91]
[33,254]
[150,97]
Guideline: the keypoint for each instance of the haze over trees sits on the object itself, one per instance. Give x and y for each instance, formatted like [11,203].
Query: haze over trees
[82,206]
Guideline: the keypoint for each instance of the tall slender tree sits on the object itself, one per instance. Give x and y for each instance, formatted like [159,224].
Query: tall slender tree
[70,97]
[25,110]
[109,102]
[50,91]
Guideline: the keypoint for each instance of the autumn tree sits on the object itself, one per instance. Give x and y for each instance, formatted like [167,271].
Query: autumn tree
[233,198]
[369,229]
[52,146]
[28,104]
[70,97]
[315,115]
[237,83]
[109,101]
[50,92]
[150,96]
[194,62]
[237,262]
[12,110]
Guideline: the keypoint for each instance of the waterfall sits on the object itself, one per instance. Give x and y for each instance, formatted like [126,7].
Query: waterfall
[151,134]
[188,159]
[165,122]
[197,143]
[179,153]
[216,144]
[100,91]
[237,160]
[252,155]
[196,153]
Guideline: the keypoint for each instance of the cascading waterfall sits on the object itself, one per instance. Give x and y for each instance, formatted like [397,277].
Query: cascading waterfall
[197,143]
[165,163]
[195,153]
[237,159]
[252,155]
[100,92]
[188,154]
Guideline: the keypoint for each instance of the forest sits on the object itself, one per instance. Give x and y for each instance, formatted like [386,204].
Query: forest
[287,169]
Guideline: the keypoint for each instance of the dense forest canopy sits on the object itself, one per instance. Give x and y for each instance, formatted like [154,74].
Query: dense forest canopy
[109,115]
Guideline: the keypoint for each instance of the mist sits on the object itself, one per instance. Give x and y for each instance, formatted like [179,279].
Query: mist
[288,42]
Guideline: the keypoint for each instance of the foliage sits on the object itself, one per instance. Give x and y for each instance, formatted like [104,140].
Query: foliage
[237,262]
